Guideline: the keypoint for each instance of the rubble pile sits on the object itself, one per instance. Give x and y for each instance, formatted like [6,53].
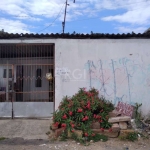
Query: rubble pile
[120,122]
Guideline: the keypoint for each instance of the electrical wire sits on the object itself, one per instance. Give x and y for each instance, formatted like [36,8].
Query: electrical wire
[53,20]
[69,21]
[98,16]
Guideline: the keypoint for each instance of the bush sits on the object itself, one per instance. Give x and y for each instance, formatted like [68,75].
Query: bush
[80,110]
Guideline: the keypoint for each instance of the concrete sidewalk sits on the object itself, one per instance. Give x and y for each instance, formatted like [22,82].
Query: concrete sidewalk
[25,128]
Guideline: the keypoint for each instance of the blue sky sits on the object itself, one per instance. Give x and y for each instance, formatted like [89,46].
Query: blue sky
[84,16]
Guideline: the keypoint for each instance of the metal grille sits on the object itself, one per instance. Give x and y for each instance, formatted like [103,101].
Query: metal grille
[23,69]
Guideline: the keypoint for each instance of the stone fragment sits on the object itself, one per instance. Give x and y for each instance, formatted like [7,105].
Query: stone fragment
[115,127]
[107,132]
[95,125]
[123,125]
[114,113]
[119,119]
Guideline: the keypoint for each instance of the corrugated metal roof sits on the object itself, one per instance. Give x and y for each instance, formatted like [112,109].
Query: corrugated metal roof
[75,36]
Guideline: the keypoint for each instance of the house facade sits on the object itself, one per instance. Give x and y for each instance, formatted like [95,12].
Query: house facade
[117,65]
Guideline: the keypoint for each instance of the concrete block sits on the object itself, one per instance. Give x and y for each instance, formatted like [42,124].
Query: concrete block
[115,127]
[119,119]
[123,125]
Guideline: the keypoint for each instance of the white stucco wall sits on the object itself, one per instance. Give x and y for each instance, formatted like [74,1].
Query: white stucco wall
[120,68]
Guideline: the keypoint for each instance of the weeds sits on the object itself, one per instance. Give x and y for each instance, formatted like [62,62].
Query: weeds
[131,136]
[2,138]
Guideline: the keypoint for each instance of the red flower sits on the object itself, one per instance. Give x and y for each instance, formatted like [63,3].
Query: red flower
[86,117]
[63,125]
[100,121]
[56,124]
[64,116]
[110,130]
[101,110]
[83,119]
[98,117]
[94,115]
[72,125]
[85,134]
[88,106]
[93,134]
[102,129]
[79,110]
[72,130]
[84,89]
[70,113]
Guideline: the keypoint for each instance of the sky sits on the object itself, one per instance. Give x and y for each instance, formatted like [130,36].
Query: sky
[83,16]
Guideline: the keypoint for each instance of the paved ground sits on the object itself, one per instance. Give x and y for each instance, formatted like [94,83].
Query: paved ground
[27,134]
[24,128]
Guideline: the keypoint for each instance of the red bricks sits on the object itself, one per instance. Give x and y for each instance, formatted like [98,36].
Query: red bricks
[107,132]
[58,132]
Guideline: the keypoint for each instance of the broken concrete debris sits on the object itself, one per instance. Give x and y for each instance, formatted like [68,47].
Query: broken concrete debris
[123,125]
[119,119]
[119,122]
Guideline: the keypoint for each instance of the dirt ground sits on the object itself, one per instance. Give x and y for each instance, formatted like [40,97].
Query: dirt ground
[26,134]
[111,144]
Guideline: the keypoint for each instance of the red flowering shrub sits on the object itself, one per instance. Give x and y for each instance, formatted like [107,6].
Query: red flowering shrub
[80,110]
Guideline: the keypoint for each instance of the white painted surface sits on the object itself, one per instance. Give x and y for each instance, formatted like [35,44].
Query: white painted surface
[131,58]
[121,67]
[33,109]
[5,109]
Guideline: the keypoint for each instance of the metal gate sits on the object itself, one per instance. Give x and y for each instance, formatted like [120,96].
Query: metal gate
[26,80]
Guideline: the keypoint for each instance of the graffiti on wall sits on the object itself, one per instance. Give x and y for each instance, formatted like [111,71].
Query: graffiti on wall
[124,108]
[120,80]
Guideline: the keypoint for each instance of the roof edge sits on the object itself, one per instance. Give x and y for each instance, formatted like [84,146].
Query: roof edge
[75,36]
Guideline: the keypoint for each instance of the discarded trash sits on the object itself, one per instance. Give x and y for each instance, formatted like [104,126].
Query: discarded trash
[91,141]
[42,145]
[133,124]
[139,136]
[56,147]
